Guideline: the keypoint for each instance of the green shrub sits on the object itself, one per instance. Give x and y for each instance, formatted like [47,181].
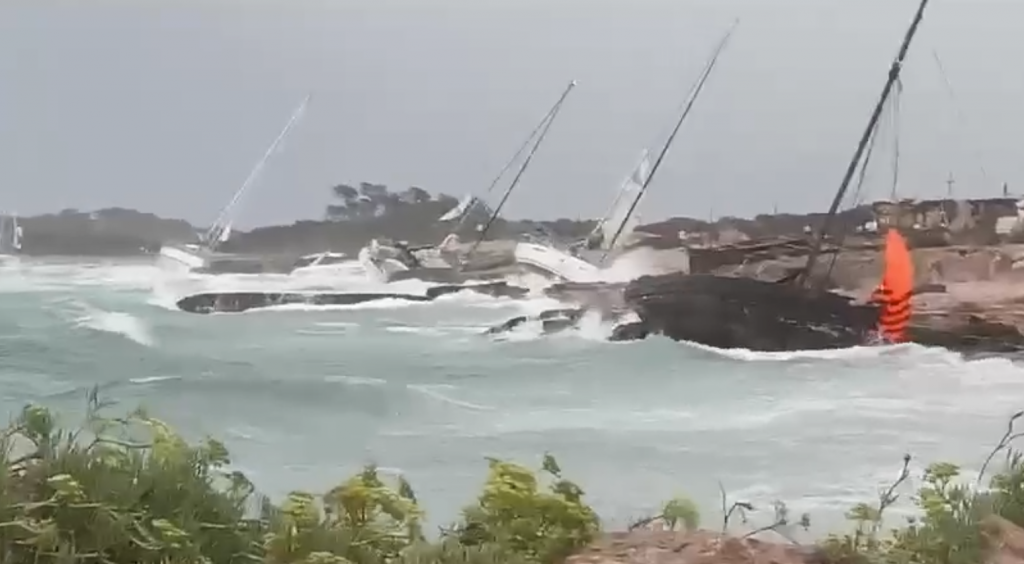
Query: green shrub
[544,524]
[130,490]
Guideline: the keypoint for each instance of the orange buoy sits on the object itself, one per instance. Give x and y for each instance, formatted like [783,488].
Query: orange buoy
[894,293]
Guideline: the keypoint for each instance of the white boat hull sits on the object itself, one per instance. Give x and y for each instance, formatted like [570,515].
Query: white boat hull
[379,268]
[181,258]
[555,263]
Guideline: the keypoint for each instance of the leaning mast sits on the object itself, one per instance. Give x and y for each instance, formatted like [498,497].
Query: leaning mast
[894,75]
[549,118]
[657,163]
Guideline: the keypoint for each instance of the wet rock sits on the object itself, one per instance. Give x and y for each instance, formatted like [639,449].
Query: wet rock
[493,289]
[745,313]
[632,331]
[507,326]
[970,334]
[235,302]
[727,312]
[552,321]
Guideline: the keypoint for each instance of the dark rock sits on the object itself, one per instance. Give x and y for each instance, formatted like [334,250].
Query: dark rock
[494,289]
[552,321]
[507,326]
[633,331]
[745,313]
[235,302]
[930,288]
[971,335]
[728,312]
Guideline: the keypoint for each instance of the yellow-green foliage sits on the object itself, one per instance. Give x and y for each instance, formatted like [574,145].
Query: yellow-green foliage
[543,523]
[130,490]
[949,527]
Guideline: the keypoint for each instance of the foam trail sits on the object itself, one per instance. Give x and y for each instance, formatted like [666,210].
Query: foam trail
[116,322]
[431,392]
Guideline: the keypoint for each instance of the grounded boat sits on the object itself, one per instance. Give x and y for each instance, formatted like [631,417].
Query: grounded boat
[729,312]
[326,262]
[202,256]
[577,263]
[10,237]
[388,261]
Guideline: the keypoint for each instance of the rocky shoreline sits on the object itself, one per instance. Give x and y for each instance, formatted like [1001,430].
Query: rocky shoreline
[1003,541]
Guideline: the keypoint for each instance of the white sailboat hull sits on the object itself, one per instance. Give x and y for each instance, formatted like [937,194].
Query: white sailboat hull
[181,258]
[323,264]
[378,267]
[555,263]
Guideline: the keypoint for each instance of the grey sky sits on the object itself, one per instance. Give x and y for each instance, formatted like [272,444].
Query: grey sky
[164,105]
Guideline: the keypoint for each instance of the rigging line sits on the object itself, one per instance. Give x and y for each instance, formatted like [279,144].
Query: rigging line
[549,119]
[896,103]
[504,169]
[217,229]
[695,92]
[894,73]
[857,194]
[958,111]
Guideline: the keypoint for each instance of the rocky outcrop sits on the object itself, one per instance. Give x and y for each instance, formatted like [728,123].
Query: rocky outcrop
[237,302]
[697,547]
[746,313]
[751,314]
[1004,544]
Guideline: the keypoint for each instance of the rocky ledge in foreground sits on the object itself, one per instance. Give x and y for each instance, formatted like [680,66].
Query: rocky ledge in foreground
[726,312]
[1004,541]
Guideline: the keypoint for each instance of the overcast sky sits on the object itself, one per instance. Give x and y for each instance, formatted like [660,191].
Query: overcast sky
[165,105]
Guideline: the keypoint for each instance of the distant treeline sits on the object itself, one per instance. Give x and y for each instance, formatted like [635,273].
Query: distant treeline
[353,216]
[356,215]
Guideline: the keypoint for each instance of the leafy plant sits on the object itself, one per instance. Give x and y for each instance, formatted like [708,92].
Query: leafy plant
[515,511]
[130,489]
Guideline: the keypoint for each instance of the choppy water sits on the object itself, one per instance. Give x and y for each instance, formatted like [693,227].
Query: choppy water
[305,396]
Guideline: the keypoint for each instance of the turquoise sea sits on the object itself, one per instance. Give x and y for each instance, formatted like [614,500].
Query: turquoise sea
[305,396]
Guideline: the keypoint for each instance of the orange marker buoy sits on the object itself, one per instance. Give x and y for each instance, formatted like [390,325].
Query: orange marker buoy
[895,290]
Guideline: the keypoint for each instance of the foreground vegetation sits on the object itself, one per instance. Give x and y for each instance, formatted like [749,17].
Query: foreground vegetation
[130,490]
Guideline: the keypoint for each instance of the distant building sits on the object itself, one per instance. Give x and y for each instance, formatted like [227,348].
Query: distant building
[954,216]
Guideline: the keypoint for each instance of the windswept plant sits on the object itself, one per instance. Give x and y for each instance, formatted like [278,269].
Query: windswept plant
[541,522]
[131,490]
[68,497]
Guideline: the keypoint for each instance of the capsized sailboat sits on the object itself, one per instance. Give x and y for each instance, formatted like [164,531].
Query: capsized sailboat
[202,254]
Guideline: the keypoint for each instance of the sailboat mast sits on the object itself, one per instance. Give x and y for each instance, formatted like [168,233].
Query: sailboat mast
[213,235]
[894,75]
[546,123]
[686,112]
[522,149]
